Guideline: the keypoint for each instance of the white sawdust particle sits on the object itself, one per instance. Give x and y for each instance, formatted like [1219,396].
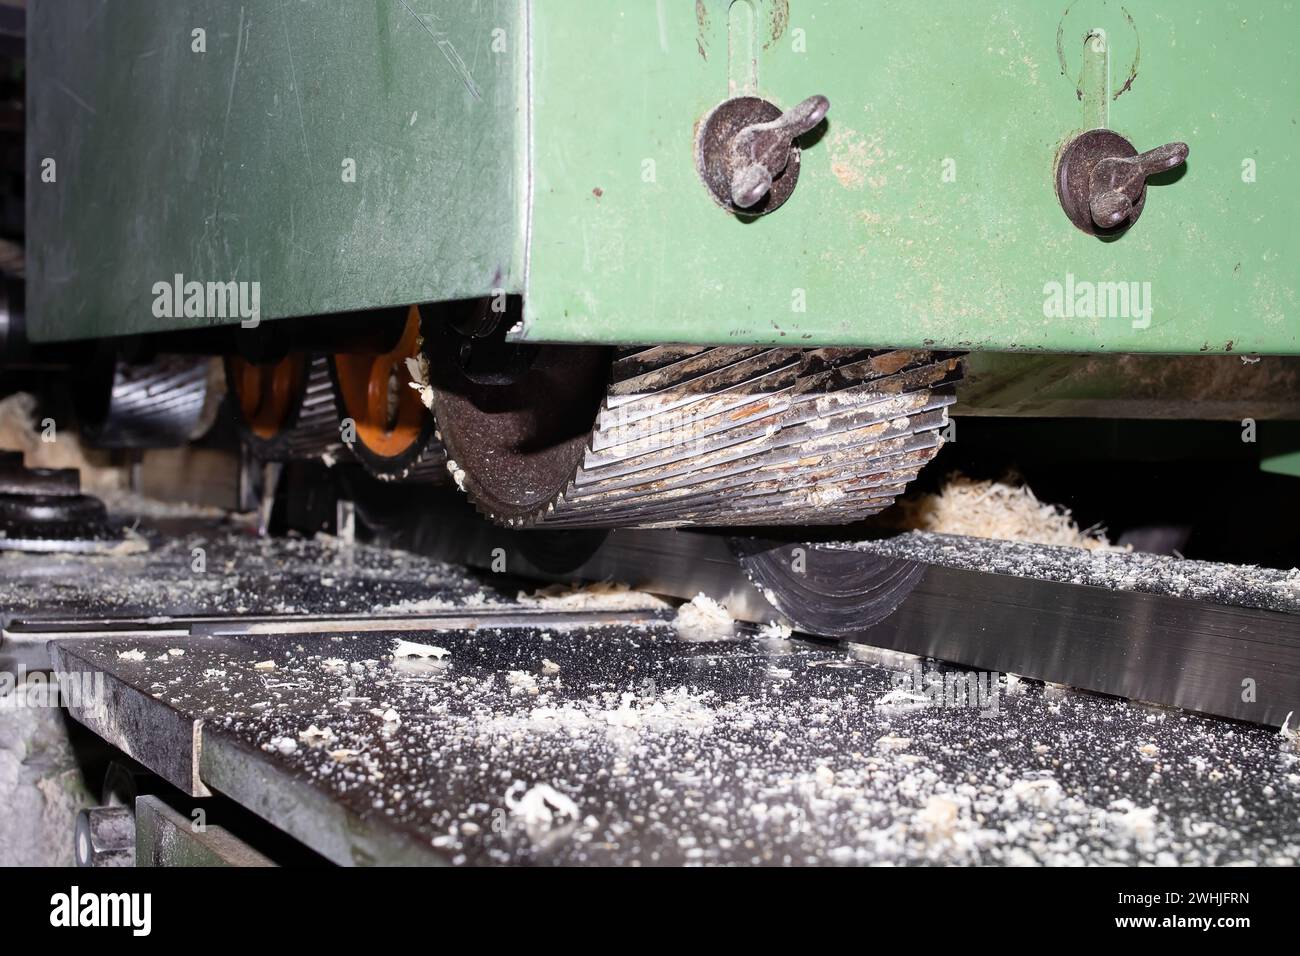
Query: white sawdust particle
[521,682]
[403,648]
[542,805]
[774,630]
[457,473]
[315,736]
[704,619]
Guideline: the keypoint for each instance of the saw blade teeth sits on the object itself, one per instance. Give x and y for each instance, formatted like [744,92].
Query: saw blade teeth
[712,435]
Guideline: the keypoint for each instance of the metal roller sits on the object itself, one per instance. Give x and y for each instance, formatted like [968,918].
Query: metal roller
[160,403]
[692,435]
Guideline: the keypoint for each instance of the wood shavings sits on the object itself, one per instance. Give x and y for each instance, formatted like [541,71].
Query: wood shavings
[774,631]
[315,736]
[704,619]
[541,806]
[600,596]
[1290,737]
[1006,510]
[414,649]
[19,431]
[938,819]
[521,682]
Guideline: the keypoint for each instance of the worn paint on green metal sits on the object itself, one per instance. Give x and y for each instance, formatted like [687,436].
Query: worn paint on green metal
[627,246]
[228,164]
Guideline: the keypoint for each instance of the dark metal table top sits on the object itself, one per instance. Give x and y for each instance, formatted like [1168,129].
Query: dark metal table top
[632,745]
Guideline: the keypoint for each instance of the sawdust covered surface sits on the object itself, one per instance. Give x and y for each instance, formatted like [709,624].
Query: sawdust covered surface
[1229,584]
[240,574]
[628,745]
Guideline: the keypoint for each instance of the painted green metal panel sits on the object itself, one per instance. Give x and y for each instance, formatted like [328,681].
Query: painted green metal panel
[547,147]
[627,246]
[228,164]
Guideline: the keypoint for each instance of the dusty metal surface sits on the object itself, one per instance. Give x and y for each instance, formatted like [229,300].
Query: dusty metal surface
[284,685]
[1214,658]
[199,571]
[212,568]
[635,746]
[1223,584]
[1214,638]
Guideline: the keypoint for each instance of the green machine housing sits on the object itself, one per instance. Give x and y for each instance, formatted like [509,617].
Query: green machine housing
[350,156]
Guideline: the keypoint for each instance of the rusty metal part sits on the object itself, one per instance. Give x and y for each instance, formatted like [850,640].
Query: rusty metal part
[285,410]
[746,153]
[393,434]
[695,435]
[1101,179]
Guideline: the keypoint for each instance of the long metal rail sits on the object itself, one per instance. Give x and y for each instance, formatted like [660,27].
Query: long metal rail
[1199,636]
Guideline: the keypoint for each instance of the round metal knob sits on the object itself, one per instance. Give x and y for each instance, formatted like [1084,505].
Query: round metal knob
[1101,179]
[746,153]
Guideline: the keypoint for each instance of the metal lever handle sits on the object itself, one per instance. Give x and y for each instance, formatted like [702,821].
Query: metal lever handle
[1116,183]
[763,149]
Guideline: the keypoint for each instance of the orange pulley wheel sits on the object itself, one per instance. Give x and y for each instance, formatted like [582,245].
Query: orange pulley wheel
[284,409]
[382,417]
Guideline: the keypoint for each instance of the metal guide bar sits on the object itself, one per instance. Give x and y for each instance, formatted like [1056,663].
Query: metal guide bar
[1241,663]
[1166,649]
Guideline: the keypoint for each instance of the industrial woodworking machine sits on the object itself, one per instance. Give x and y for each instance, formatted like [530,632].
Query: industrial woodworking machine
[688,294]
